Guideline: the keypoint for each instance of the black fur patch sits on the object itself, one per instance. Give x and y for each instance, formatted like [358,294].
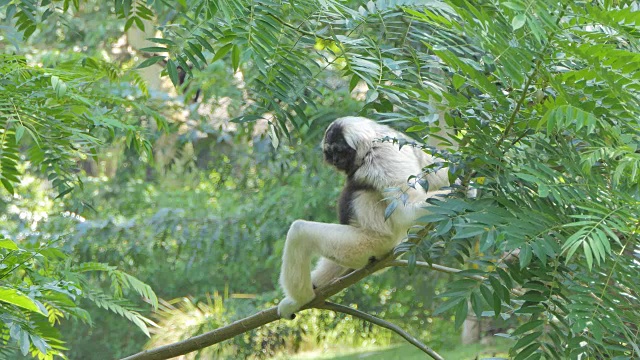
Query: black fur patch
[345,203]
[337,152]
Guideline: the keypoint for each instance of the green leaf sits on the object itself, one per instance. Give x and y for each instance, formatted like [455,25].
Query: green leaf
[526,352]
[571,250]
[448,305]
[139,22]
[476,304]
[390,209]
[59,86]
[205,43]
[172,70]
[528,326]
[128,23]
[499,290]
[461,313]
[458,81]
[154,49]
[39,343]
[518,21]
[235,58]
[13,296]
[8,244]
[162,41]
[416,128]
[527,339]
[411,262]
[222,52]
[430,218]
[197,51]
[588,254]
[543,190]
[525,255]
[64,192]
[355,79]
[150,61]
[497,304]
[468,232]
[7,185]
[444,227]
[487,295]
[533,296]
[19,132]
[24,342]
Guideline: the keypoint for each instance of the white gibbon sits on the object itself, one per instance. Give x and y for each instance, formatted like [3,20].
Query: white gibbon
[353,145]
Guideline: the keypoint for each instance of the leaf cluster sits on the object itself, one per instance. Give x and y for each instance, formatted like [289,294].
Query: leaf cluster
[40,287]
[54,116]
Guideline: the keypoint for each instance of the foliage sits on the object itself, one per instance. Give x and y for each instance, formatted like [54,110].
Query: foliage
[540,99]
[30,14]
[41,287]
[63,115]
[544,99]
[57,111]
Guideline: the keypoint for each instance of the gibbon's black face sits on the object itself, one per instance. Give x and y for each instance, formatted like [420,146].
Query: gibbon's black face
[337,152]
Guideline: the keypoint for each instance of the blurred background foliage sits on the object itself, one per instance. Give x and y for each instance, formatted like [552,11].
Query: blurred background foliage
[172,143]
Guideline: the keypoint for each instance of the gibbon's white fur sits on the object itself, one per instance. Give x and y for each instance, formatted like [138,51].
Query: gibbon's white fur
[353,146]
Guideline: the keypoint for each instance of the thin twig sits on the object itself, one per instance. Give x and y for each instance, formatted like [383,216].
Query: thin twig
[528,82]
[449,270]
[436,267]
[387,325]
[298,29]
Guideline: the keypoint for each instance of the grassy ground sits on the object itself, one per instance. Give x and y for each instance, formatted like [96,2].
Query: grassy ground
[408,352]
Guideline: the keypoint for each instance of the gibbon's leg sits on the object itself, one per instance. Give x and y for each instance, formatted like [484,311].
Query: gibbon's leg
[325,271]
[345,245]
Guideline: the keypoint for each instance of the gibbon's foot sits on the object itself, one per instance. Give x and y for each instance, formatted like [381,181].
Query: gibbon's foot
[314,287]
[287,307]
[372,259]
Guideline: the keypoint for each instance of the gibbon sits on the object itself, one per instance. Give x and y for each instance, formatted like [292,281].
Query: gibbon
[377,172]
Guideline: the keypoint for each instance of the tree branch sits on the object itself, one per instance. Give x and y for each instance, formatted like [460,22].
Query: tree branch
[270,315]
[262,318]
[376,320]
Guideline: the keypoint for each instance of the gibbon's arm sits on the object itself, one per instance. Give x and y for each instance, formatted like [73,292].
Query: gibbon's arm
[413,199]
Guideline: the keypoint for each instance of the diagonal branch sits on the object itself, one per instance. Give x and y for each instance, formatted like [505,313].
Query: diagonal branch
[259,319]
[387,325]
[270,315]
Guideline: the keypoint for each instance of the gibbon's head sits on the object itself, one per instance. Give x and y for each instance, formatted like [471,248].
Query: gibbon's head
[347,142]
